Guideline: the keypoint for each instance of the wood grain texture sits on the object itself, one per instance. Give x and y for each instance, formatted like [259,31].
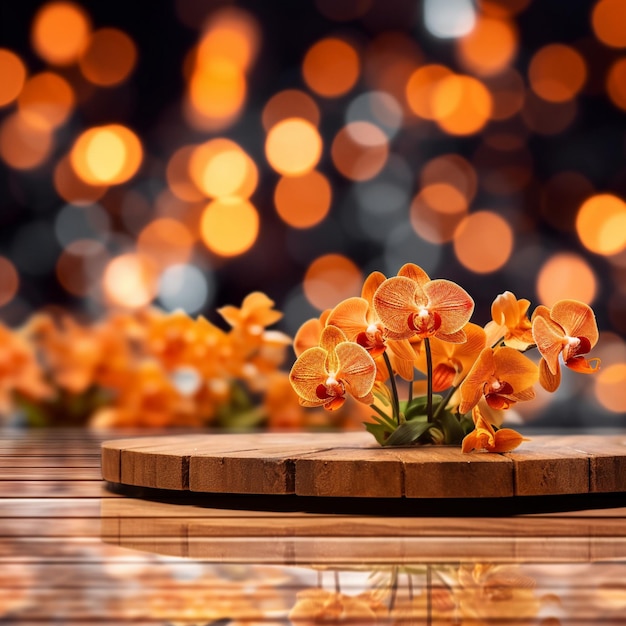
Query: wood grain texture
[351,465]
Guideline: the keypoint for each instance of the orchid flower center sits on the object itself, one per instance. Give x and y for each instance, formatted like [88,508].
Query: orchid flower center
[331,388]
[425,322]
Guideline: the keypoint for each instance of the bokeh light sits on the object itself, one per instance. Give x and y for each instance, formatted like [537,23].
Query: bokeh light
[71,187]
[303,201]
[489,47]
[601,224]
[9,281]
[229,226]
[557,72]
[359,150]
[483,242]
[293,146]
[106,155]
[449,18]
[461,105]
[80,267]
[109,58]
[616,83]
[220,168]
[130,281]
[331,67]
[566,276]
[13,74]
[607,19]
[436,212]
[290,103]
[184,287]
[331,278]
[610,387]
[46,100]
[166,242]
[421,87]
[451,169]
[60,32]
[22,145]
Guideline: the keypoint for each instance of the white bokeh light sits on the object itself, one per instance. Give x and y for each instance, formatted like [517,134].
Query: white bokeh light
[448,19]
[184,287]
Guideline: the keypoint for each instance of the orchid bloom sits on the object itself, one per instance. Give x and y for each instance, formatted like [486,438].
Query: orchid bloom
[510,322]
[412,305]
[322,375]
[568,329]
[503,376]
[485,437]
[256,312]
[357,318]
[451,361]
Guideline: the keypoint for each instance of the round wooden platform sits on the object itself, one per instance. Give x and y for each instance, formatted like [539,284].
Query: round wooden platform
[353,465]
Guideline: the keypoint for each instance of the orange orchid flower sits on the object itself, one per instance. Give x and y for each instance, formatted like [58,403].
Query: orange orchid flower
[309,333]
[357,318]
[322,375]
[510,322]
[451,361]
[485,437]
[412,305]
[568,329]
[503,376]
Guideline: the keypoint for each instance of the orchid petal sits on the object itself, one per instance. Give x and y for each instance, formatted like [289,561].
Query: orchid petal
[307,373]
[452,302]
[350,316]
[506,439]
[577,319]
[549,381]
[582,365]
[308,335]
[517,369]
[457,337]
[443,377]
[357,368]
[550,341]
[330,338]
[394,301]
[473,385]
[415,273]
[371,284]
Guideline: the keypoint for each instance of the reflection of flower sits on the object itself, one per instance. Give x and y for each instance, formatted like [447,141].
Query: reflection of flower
[410,323]
[320,606]
[446,595]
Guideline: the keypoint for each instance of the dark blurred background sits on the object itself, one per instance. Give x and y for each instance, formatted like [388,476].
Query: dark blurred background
[184,153]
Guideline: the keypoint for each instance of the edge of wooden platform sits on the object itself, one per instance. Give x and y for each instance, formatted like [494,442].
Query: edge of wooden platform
[350,464]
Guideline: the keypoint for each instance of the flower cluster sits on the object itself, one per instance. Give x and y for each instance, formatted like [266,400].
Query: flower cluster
[409,323]
[145,368]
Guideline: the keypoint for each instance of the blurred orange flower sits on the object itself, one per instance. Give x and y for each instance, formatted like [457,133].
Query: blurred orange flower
[19,371]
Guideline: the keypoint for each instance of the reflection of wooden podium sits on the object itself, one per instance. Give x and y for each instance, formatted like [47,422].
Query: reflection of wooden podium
[336,499]
[298,538]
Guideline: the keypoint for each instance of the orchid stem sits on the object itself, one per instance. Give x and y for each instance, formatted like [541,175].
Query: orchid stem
[394,389]
[445,401]
[429,380]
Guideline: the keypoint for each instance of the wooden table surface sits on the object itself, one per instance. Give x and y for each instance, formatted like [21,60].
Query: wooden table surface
[75,551]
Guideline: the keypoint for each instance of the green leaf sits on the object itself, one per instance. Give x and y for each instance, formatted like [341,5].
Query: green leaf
[451,427]
[378,430]
[388,420]
[407,433]
[418,405]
